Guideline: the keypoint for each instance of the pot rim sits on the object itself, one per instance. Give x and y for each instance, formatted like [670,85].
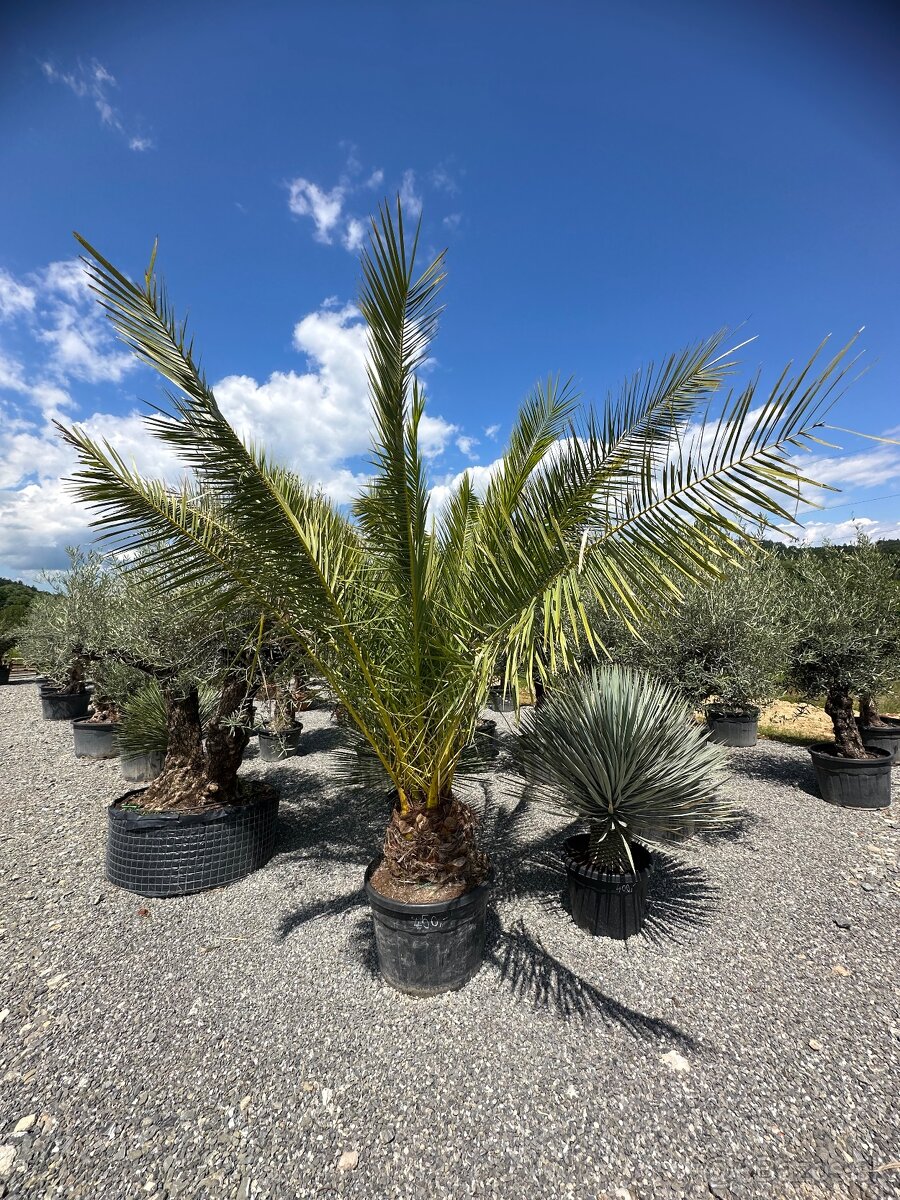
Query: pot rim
[594,873]
[433,908]
[103,725]
[821,750]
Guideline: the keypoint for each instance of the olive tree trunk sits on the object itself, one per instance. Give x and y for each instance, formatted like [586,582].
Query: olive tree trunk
[847,739]
[868,710]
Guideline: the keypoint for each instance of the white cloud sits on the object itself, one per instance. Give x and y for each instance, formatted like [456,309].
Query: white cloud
[867,468]
[466,445]
[409,197]
[491,431]
[443,180]
[354,234]
[307,199]
[15,297]
[75,328]
[480,477]
[452,221]
[814,533]
[94,82]
[375,179]
[434,434]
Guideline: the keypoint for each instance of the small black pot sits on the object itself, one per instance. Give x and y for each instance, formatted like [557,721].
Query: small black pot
[613,905]
[4,673]
[275,745]
[176,854]
[142,768]
[732,729]
[95,739]
[501,703]
[853,782]
[887,736]
[426,949]
[58,707]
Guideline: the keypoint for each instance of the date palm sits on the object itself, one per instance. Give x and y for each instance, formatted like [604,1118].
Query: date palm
[405,610]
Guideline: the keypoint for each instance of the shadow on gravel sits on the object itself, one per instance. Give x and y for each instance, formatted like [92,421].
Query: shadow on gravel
[791,772]
[323,739]
[735,832]
[525,849]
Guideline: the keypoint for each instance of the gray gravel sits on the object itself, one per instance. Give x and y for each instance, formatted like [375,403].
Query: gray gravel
[239,1043]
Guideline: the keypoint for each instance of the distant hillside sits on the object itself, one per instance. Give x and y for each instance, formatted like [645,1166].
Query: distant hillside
[15,598]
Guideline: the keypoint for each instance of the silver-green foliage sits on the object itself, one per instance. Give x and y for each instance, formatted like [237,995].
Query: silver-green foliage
[620,751]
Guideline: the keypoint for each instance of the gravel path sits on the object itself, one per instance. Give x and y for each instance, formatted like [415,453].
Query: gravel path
[239,1043]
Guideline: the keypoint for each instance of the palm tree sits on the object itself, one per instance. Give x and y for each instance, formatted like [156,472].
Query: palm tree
[405,610]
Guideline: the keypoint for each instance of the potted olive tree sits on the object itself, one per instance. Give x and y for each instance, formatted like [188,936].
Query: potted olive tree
[403,610]
[725,645]
[195,825]
[56,628]
[848,647]
[619,751]
[285,686]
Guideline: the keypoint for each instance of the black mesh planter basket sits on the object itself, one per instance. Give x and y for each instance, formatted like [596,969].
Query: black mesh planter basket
[885,737]
[56,706]
[607,903]
[426,949]
[853,782]
[732,729]
[95,739]
[175,854]
[274,745]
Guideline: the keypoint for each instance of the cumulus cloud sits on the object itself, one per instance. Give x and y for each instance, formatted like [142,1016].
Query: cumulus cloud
[94,82]
[814,533]
[466,445]
[409,197]
[491,431]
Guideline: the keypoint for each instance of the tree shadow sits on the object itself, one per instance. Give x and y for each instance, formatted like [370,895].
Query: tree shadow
[735,831]
[322,739]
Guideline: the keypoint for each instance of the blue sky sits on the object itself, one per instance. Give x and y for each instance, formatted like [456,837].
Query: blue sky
[611,181]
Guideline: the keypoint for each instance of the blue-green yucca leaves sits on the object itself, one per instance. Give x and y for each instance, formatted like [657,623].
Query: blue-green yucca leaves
[621,752]
[144,719]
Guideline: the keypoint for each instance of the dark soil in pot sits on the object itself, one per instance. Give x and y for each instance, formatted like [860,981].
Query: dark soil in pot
[277,744]
[607,903]
[431,947]
[95,739]
[142,768]
[886,736]
[176,853]
[853,782]
[56,706]
[732,728]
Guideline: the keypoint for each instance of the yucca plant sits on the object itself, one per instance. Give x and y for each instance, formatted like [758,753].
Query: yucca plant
[404,610]
[620,751]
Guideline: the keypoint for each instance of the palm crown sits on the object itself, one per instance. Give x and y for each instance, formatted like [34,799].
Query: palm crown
[404,610]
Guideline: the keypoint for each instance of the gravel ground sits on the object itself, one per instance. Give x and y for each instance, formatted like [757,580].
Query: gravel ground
[240,1044]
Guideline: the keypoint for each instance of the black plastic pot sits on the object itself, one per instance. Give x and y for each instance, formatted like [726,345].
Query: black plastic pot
[141,768]
[175,854]
[853,782]
[732,729]
[501,703]
[886,736]
[426,949]
[58,707]
[4,673]
[275,745]
[95,739]
[605,903]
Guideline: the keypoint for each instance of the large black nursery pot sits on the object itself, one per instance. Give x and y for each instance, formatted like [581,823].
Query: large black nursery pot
[427,949]
[142,768]
[4,673]
[886,736]
[95,739]
[176,854]
[278,744]
[56,706]
[608,903]
[853,782]
[732,728]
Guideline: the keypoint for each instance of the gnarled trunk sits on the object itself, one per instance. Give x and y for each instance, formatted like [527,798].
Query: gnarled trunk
[868,711]
[196,775]
[847,739]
